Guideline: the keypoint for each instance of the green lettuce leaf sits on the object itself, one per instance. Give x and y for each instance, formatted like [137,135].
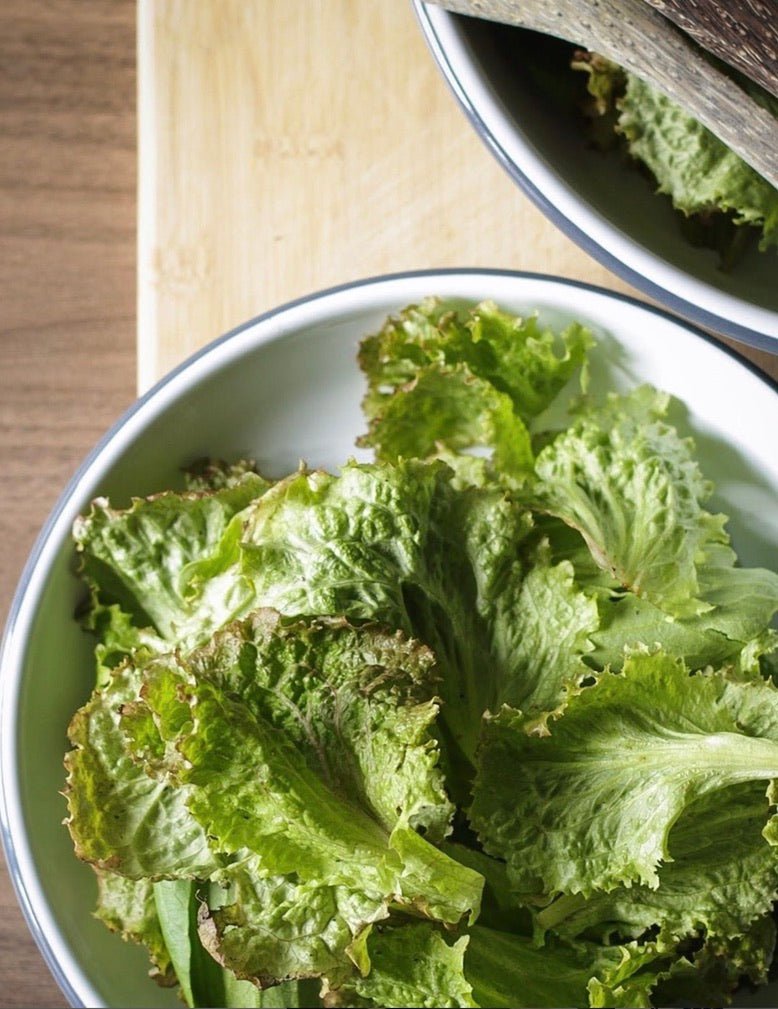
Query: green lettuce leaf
[402,545]
[162,572]
[342,779]
[324,836]
[444,381]
[542,627]
[357,703]
[271,927]
[720,878]
[120,817]
[624,478]
[127,906]
[515,355]
[691,165]
[590,805]
[447,409]
[732,629]
[411,965]
[415,965]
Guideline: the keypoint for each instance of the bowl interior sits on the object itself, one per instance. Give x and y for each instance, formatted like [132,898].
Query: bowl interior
[287,387]
[514,85]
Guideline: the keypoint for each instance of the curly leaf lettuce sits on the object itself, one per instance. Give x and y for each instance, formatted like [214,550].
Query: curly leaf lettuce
[414,964]
[622,476]
[443,381]
[723,201]
[732,627]
[691,165]
[515,354]
[720,881]
[652,737]
[403,544]
[120,817]
[162,572]
[335,723]
[411,965]
[448,409]
[389,735]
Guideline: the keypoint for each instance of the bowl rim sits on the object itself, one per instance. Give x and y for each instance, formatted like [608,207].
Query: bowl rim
[256,331]
[646,271]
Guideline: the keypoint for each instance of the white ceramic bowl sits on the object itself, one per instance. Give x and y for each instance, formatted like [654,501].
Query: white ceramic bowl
[611,212]
[283,387]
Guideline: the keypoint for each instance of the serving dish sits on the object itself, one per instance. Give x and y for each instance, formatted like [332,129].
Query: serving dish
[287,386]
[609,210]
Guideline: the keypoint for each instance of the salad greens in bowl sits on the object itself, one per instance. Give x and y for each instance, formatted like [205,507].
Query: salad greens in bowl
[625,172]
[412,645]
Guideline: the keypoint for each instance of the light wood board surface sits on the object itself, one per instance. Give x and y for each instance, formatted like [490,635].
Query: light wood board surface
[290,145]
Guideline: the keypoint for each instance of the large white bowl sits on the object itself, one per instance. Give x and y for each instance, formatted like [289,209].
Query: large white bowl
[610,211]
[283,387]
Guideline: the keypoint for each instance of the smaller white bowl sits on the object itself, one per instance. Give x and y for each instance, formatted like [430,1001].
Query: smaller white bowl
[611,212]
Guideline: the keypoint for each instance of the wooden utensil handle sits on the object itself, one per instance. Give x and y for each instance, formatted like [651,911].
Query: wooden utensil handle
[743,33]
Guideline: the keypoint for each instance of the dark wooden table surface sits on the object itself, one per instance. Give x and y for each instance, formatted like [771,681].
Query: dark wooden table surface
[68,169]
[67,296]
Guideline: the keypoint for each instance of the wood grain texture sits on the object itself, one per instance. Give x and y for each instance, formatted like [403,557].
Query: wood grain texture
[67,284]
[635,35]
[744,33]
[292,145]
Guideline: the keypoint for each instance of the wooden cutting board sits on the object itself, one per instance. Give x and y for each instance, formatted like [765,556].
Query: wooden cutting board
[289,145]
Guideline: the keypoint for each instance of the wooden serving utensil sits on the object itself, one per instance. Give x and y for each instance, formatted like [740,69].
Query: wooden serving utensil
[743,33]
[634,34]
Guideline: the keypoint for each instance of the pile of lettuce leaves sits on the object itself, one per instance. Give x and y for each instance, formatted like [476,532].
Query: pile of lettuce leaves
[723,203]
[487,720]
